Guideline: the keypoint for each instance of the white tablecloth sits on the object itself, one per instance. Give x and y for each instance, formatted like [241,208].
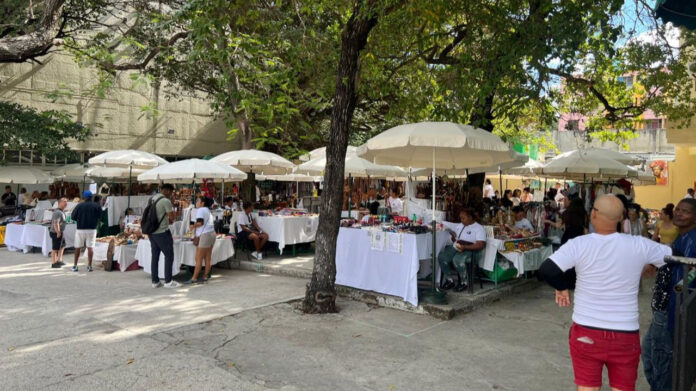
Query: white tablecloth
[124,255]
[71,205]
[392,271]
[528,260]
[184,253]
[353,214]
[425,213]
[288,230]
[24,237]
[117,205]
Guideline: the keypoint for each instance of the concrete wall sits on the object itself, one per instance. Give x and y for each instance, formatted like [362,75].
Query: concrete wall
[194,131]
[649,141]
[682,175]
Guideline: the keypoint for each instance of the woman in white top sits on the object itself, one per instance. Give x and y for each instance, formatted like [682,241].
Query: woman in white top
[205,234]
[395,203]
[516,197]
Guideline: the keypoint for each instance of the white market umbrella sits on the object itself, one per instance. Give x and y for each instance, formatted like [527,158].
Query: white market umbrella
[128,158]
[77,172]
[192,170]
[580,164]
[257,162]
[24,176]
[113,174]
[613,155]
[438,145]
[321,152]
[296,177]
[525,170]
[354,167]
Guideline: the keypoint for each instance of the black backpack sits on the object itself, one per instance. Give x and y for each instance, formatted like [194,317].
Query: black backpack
[150,222]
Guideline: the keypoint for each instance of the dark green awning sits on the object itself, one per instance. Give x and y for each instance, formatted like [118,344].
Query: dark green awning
[681,13]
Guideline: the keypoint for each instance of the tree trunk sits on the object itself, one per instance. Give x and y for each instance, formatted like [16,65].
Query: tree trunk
[37,43]
[482,118]
[245,132]
[321,292]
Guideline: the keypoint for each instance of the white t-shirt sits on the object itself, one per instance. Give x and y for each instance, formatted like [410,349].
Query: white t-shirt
[515,201]
[244,219]
[397,206]
[524,224]
[688,196]
[488,191]
[470,233]
[608,269]
[208,223]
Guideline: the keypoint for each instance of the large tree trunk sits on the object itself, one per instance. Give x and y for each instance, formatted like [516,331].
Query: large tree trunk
[482,118]
[321,292]
[37,43]
[245,133]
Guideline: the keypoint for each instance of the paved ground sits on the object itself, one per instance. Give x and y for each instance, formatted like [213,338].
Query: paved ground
[111,331]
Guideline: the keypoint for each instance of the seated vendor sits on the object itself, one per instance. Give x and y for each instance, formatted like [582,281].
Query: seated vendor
[394,203]
[129,217]
[521,222]
[469,236]
[249,230]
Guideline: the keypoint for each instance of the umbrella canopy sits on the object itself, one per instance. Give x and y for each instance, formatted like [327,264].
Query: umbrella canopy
[526,170]
[289,178]
[448,145]
[613,155]
[519,159]
[354,166]
[77,172]
[113,174]
[255,161]
[642,177]
[321,152]
[580,163]
[190,170]
[128,158]
[24,176]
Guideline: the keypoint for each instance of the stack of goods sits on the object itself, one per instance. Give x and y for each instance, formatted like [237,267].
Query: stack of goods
[525,244]
[120,239]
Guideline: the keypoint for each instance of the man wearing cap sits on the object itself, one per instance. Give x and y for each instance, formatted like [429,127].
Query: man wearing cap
[87,215]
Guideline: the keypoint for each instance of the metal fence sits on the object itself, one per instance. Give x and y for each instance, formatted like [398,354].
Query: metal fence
[684,369]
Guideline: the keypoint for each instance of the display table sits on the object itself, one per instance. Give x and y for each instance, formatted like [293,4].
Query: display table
[353,214]
[184,254]
[523,261]
[22,237]
[123,254]
[285,230]
[390,268]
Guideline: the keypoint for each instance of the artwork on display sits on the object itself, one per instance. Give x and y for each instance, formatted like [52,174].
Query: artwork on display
[660,170]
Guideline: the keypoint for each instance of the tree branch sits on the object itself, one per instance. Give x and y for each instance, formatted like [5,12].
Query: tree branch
[37,43]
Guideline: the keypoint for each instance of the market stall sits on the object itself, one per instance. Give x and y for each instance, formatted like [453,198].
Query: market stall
[286,227]
[124,254]
[384,262]
[184,254]
[22,237]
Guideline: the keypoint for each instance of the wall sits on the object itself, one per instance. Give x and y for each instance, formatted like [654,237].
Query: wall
[649,141]
[184,127]
[682,174]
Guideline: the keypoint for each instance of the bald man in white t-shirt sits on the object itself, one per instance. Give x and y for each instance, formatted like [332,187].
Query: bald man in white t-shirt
[605,313]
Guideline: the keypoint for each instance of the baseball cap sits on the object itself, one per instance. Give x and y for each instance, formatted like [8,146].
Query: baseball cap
[86,194]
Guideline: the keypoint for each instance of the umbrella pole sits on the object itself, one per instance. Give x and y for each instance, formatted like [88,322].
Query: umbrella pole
[500,172]
[222,194]
[434,295]
[130,184]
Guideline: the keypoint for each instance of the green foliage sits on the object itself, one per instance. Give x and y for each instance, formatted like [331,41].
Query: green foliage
[46,132]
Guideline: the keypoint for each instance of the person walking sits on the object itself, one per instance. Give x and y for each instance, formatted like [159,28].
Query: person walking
[87,214]
[665,230]
[205,238]
[56,232]
[605,313]
[658,341]
[161,240]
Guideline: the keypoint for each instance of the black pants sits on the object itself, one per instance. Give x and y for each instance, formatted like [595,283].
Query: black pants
[162,242]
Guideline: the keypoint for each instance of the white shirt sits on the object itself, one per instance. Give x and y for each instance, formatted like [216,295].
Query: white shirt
[244,219]
[470,233]
[488,191]
[524,224]
[515,201]
[688,196]
[559,198]
[397,206]
[608,269]
[208,223]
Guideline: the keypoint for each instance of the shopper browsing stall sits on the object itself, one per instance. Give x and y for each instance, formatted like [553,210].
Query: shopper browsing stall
[87,215]
[161,240]
[55,231]
[395,204]
[468,237]
[521,222]
[204,239]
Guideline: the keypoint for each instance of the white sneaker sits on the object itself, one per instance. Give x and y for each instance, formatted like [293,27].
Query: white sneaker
[172,284]
[255,255]
[156,284]
[259,256]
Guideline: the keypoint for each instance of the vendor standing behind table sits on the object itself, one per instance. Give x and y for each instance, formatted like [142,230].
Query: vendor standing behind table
[469,236]
[395,204]
[9,198]
[521,221]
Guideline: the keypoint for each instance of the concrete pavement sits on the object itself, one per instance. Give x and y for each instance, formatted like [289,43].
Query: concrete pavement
[111,331]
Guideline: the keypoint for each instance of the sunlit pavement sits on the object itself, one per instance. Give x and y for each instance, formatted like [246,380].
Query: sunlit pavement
[112,331]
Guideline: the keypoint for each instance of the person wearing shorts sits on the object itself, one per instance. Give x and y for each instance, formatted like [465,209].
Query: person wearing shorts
[609,266]
[87,215]
[57,233]
[205,232]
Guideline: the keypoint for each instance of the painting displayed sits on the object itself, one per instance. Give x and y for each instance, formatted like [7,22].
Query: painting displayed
[660,170]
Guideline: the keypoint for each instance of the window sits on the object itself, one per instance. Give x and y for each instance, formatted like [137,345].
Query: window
[653,124]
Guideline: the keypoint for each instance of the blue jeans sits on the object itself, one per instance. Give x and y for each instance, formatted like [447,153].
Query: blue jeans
[657,353]
[448,257]
[162,242]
